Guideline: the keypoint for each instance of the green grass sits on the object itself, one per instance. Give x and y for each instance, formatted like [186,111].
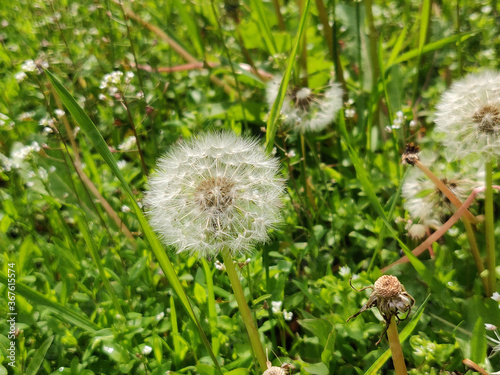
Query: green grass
[96,289]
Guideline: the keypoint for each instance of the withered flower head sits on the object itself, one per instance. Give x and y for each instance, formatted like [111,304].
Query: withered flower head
[410,155]
[390,297]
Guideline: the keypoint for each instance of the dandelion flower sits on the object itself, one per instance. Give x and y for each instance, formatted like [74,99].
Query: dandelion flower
[214,192]
[469,116]
[305,110]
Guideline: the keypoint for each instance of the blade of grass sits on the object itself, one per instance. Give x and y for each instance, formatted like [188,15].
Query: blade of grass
[364,178]
[212,313]
[272,122]
[377,365]
[429,47]
[192,28]
[261,17]
[90,130]
[60,311]
[84,230]
[38,357]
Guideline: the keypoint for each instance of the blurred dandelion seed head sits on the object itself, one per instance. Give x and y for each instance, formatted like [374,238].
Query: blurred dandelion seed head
[469,116]
[304,110]
[213,192]
[426,202]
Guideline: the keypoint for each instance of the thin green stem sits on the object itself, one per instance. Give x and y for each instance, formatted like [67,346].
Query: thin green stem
[397,353]
[246,314]
[476,255]
[490,228]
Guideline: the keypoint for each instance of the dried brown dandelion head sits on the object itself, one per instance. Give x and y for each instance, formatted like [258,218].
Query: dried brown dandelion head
[390,297]
[410,155]
[275,370]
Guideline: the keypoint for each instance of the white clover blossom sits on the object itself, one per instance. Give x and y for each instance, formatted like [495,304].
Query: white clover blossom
[276,306]
[469,116]
[213,192]
[305,110]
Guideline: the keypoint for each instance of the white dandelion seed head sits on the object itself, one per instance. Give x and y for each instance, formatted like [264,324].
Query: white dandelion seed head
[213,192]
[305,110]
[424,201]
[469,116]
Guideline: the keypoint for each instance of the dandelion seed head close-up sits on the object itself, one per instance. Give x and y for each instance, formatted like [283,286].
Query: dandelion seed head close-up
[469,116]
[303,109]
[213,192]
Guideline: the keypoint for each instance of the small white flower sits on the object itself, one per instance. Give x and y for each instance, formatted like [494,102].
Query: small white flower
[128,143]
[25,116]
[147,349]
[139,95]
[287,315]
[350,113]
[121,164]
[417,231]
[220,266]
[52,169]
[125,209]
[413,124]
[42,173]
[108,349]
[276,306]
[490,327]
[213,192]
[160,316]
[496,297]
[59,113]
[344,271]
[103,97]
[468,116]
[28,66]
[128,77]
[21,76]
[305,110]
[47,130]
[46,121]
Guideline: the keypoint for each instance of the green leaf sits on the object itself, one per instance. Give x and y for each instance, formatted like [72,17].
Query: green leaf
[377,365]
[62,312]
[478,345]
[90,130]
[38,357]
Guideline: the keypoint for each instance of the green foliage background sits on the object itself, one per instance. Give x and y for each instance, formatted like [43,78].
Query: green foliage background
[92,299]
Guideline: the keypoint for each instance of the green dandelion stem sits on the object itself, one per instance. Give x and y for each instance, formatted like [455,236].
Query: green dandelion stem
[476,255]
[490,228]
[253,334]
[397,353]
